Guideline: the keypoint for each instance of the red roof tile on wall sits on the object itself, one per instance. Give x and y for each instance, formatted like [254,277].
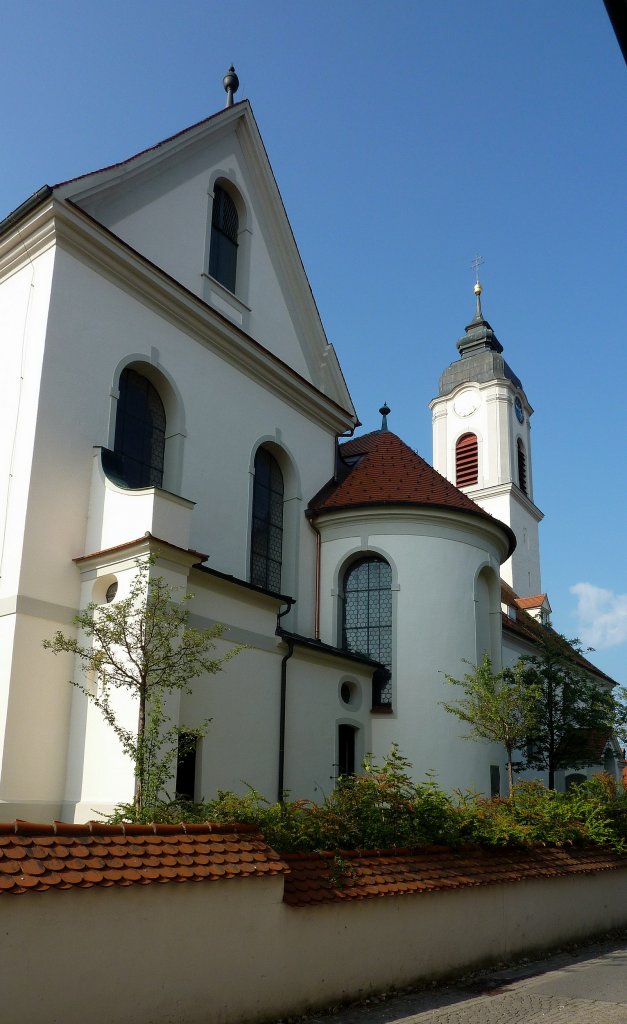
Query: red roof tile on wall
[316,878]
[36,857]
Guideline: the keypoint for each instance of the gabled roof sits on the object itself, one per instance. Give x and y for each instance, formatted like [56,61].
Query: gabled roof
[90,193]
[534,601]
[380,469]
[528,628]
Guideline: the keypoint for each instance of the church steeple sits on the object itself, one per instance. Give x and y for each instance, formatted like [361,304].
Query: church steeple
[482,442]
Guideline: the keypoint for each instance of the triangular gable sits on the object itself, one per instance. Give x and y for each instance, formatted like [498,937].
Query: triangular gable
[159,202]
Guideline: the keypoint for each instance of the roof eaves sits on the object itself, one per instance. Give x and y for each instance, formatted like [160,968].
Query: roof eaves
[337,652]
[236,581]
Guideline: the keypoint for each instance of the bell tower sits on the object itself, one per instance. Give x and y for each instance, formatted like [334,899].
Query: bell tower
[482,443]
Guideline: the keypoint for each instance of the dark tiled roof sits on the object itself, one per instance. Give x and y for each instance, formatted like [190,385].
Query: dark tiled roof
[36,857]
[388,472]
[322,878]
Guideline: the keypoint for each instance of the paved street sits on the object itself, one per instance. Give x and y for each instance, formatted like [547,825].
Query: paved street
[584,987]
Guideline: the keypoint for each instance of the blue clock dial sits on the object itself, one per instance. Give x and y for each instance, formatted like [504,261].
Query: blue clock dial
[520,415]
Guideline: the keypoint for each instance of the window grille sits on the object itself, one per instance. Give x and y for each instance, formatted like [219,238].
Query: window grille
[139,431]
[367,618]
[267,526]
[466,461]
[223,245]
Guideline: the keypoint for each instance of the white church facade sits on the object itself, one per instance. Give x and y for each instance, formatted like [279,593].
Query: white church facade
[168,388]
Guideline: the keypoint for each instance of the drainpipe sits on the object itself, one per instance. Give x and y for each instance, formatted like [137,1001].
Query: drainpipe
[347,433]
[317,597]
[284,661]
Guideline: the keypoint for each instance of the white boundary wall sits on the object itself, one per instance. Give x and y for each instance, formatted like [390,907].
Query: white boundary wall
[230,952]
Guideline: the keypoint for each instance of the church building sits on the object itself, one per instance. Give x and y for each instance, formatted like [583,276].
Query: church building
[168,389]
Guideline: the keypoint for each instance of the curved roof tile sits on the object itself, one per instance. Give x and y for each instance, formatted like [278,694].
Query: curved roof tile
[380,469]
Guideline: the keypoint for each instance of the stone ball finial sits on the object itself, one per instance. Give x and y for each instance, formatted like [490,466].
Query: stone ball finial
[231,85]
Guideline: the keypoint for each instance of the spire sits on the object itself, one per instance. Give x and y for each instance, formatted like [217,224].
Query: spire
[231,85]
[385,412]
[479,334]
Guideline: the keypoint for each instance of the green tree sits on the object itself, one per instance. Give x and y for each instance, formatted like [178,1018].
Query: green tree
[500,707]
[143,644]
[577,712]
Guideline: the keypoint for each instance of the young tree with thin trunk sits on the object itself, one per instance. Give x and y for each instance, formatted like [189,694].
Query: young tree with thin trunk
[143,644]
[500,707]
[577,713]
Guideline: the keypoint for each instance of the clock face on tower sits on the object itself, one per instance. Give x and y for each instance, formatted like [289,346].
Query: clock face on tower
[520,415]
[467,402]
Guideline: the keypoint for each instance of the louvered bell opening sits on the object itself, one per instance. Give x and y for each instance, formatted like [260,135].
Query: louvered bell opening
[466,461]
[522,468]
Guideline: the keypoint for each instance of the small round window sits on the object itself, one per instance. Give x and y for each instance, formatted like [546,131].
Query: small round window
[112,590]
[346,693]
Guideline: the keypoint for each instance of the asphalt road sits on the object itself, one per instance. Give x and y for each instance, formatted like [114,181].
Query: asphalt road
[588,986]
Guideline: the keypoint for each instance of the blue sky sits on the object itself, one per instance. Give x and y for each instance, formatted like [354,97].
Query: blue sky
[405,138]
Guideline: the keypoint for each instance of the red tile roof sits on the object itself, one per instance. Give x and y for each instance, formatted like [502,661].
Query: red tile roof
[323,878]
[36,857]
[389,472]
[525,626]
[531,602]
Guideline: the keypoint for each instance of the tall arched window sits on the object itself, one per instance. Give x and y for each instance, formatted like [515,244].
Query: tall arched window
[466,461]
[266,548]
[367,614]
[139,431]
[223,245]
[522,467]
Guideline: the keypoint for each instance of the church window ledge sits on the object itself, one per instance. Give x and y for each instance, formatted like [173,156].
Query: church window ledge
[225,301]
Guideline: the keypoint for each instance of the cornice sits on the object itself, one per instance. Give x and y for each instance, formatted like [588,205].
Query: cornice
[22,243]
[506,387]
[497,490]
[369,517]
[78,232]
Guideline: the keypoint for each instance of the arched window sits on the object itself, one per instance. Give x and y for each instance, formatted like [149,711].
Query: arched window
[466,461]
[267,526]
[223,245]
[367,616]
[522,467]
[139,431]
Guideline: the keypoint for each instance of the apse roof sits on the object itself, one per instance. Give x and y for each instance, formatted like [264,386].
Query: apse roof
[380,469]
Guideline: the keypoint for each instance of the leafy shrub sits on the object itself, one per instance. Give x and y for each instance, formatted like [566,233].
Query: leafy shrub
[384,807]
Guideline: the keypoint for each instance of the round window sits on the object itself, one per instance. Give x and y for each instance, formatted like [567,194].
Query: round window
[346,692]
[112,590]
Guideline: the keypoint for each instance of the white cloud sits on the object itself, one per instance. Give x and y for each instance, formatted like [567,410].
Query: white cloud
[602,615]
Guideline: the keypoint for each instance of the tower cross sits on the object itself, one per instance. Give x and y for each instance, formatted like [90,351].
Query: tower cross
[476,263]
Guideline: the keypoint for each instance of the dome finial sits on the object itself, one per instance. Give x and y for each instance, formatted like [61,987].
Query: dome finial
[231,85]
[385,412]
[476,263]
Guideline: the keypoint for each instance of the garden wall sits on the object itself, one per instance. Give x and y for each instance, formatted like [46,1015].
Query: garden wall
[234,937]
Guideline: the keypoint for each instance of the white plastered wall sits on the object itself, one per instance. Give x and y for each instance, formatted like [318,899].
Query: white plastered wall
[436,558]
[232,951]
